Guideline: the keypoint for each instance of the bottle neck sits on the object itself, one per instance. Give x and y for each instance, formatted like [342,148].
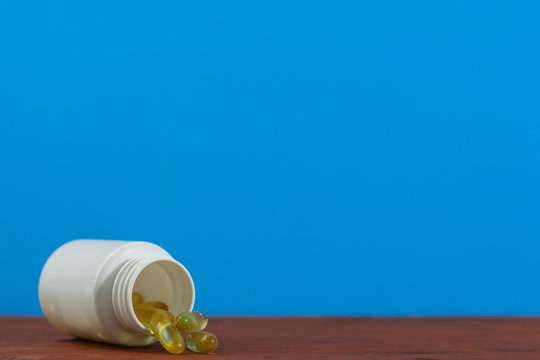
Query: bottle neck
[122,291]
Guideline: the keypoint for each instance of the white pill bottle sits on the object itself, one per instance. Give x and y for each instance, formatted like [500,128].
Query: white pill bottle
[85,288]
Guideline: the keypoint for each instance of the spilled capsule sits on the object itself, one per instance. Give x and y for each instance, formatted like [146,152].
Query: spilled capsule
[202,342]
[166,333]
[191,321]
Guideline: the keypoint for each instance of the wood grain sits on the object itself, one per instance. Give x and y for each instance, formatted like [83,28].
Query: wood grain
[303,338]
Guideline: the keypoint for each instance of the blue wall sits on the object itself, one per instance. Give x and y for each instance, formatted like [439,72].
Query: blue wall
[363,157]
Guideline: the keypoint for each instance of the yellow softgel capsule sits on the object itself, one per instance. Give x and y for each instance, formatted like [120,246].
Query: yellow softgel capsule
[191,321]
[136,299]
[154,305]
[202,342]
[145,314]
[166,333]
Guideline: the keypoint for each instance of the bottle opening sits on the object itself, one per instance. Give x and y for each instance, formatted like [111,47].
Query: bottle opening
[163,280]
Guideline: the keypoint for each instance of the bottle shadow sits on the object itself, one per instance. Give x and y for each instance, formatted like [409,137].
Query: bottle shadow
[95,346]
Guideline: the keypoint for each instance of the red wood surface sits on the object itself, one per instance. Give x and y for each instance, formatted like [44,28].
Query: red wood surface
[303,338]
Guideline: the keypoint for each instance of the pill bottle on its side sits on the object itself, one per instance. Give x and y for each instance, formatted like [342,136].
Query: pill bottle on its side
[85,288]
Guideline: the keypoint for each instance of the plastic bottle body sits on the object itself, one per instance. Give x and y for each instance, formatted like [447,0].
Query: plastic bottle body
[86,285]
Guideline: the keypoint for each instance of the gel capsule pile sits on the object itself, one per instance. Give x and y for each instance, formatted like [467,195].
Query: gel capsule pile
[166,328]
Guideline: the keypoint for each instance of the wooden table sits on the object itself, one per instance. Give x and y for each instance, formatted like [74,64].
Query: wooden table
[303,338]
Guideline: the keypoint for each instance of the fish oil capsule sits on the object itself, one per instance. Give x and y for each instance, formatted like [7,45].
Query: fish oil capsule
[191,321]
[166,333]
[202,342]
[136,299]
[145,314]
[154,305]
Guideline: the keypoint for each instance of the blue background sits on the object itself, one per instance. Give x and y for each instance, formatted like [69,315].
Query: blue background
[299,157]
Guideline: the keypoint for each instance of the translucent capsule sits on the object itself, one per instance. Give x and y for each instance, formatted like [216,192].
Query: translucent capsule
[144,315]
[166,333]
[191,321]
[136,299]
[202,342]
[154,305]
